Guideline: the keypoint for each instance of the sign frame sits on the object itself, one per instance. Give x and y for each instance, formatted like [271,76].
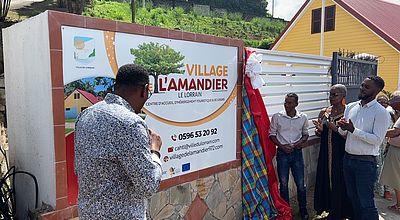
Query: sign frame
[58,19]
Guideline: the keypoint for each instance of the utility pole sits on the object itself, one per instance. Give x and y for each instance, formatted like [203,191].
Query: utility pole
[322,40]
[273,7]
[133,10]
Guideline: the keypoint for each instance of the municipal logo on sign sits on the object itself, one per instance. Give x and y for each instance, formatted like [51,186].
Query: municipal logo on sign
[185,167]
[84,49]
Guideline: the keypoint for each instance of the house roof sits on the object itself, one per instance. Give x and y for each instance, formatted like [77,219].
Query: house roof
[89,96]
[380,16]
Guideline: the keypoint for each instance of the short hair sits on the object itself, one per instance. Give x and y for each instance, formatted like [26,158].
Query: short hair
[396,93]
[395,97]
[132,75]
[379,82]
[293,95]
[382,96]
[341,87]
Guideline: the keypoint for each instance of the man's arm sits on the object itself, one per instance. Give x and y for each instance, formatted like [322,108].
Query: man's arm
[304,132]
[142,167]
[275,140]
[273,130]
[380,127]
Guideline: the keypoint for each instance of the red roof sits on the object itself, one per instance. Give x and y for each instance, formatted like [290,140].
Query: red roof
[380,16]
[89,96]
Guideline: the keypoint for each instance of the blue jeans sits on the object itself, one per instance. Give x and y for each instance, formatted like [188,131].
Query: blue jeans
[292,161]
[360,177]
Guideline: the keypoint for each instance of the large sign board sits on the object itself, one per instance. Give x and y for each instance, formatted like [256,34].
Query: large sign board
[193,105]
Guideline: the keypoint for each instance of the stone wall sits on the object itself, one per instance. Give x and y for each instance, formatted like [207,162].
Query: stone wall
[218,196]
[215,197]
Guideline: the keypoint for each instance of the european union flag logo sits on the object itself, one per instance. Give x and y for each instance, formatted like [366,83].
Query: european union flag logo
[185,167]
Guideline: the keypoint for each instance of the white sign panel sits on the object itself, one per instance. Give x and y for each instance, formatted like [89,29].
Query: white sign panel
[193,105]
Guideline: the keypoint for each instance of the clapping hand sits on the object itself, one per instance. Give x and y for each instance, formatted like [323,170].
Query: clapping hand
[318,124]
[332,126]
[346,125]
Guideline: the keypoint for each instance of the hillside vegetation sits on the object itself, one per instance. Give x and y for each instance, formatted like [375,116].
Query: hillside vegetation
[258,32]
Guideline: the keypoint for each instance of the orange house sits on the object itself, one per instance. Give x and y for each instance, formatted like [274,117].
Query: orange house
[78,101]
[363,26]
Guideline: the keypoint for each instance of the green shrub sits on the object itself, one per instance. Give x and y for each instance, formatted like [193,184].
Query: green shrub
[266,43]
[258,32]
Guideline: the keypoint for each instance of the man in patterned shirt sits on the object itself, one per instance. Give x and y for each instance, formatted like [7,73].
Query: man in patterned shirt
[117,158]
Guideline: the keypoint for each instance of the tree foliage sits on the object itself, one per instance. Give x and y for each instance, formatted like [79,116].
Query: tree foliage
[90,86]
[254,32]
[253,7]
[75,6]
[158,59]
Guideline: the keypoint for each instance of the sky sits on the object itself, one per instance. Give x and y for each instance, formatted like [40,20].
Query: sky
[286,9]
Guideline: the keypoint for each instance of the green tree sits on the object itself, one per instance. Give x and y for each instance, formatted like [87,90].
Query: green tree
[106,83]
[78,84]
[158,59]
[75,6]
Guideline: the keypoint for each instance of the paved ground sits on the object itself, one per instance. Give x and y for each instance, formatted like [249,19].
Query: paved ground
[384,213]
[16,4]
[23,9]
[381,203]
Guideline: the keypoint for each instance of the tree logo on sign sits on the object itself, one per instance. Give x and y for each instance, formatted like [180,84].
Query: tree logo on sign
[158,59]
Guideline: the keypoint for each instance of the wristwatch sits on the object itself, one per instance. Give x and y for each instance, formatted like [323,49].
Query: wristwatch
[156,153]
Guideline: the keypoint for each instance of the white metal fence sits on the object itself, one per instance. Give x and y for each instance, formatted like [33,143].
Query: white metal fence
[306,75]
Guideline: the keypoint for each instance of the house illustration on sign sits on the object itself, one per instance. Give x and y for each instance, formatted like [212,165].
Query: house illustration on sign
[368,27]
[78,101]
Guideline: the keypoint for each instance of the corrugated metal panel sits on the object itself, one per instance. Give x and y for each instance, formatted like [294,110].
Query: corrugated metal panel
[306,75]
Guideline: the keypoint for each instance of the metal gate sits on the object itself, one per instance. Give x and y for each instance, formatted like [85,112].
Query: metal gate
[351,70]
[4,6]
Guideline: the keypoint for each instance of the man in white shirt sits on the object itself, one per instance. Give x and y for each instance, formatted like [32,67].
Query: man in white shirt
[365,123]
[289,131]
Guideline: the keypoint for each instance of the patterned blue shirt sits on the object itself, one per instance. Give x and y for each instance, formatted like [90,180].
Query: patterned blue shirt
[116,171]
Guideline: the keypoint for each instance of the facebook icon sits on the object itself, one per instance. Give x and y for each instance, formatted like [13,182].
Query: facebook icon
[185,167]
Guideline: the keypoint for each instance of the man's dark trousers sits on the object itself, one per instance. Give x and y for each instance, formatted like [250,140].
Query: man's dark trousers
[293,161]
[360,176]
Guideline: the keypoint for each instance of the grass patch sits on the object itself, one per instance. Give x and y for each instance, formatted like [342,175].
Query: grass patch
[68,130]
[70,120]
